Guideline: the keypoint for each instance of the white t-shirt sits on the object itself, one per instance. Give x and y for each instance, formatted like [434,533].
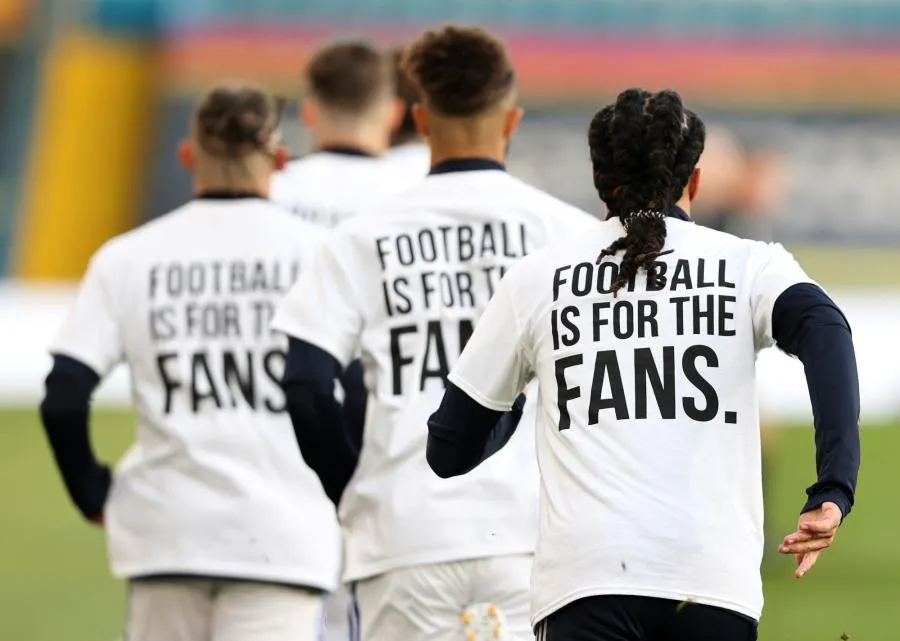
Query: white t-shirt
[327,187]
[648,431]
[404,284]
[214,484]
[412,158]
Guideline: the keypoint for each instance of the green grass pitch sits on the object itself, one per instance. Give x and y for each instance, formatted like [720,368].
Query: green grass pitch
[54,582]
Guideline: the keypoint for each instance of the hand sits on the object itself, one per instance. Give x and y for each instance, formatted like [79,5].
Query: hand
[815,532]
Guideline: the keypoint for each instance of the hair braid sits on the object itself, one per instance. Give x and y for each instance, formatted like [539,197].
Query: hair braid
[644,148]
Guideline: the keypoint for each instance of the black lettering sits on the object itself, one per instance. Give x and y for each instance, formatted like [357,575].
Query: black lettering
[522,236]
[704,313]
[162,324]
[171,384]
[202,390]
[448,298]
[679,313]
[663,384]
[689,364]
[723,282]
[504,239]
[564,393]
[464,242]
[445,231]
[682,275]
[259,281]
[233,377]
[581,278]
[464,286]
[559,281]
[401,289]
[431,255]
[567,317]
[608,272]
[399,361]
[598,320]
[701,280]
[382,254]
[488,244]
[726,329]
[427,288]
[623,323]
[238,277]
[466,327]
[154,281]
[647,323]
[175,280]
[217,276]
[434,340]
[196,279]
[273,365]
[660,282]
[606,367]
[405,250]
[387,298]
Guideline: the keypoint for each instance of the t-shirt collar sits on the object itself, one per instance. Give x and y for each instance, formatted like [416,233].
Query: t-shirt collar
[453,165]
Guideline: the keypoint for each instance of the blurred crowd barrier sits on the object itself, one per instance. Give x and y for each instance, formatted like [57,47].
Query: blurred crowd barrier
[30,316]
[95,94]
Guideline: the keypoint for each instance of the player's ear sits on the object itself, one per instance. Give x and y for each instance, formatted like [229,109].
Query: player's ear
[309,113]
[420,117]
[693,184]
[513,118]
[281,157]
[187,155]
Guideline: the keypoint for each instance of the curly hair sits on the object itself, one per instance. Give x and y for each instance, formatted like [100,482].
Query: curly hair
[461,71]
[644,148]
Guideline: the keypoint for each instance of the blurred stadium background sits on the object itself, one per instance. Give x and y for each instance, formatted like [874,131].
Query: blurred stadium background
[804,101]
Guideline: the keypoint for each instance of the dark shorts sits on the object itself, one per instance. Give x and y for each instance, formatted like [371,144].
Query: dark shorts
[635,618]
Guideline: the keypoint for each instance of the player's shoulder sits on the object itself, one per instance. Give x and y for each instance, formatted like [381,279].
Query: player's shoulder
[709,240]
[545,204]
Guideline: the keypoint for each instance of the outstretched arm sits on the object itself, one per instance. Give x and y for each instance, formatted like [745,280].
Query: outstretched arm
[809,325]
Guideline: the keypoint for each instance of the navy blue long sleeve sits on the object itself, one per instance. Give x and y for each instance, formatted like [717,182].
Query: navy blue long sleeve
[462,433]
[65,413]
[809,325]
[325,433]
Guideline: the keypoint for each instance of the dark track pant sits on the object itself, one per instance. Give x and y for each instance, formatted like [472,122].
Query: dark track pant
[634,618]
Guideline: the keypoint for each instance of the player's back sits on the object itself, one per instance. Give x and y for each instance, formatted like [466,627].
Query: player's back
[329,186]
[214,483]
[412,159]
[649,441]
[440,250]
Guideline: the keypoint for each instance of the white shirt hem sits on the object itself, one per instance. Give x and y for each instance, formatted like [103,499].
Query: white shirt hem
[238,571]
[362,571]
[542,613]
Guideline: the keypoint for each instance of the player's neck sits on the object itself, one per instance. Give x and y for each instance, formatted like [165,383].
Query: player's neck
[684,204]
[371,143]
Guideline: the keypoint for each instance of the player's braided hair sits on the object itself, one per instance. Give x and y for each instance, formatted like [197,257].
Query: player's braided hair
[235,120]
[643,150]
[461,71]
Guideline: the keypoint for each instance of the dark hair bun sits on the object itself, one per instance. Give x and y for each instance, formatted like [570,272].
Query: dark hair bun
[235,120]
